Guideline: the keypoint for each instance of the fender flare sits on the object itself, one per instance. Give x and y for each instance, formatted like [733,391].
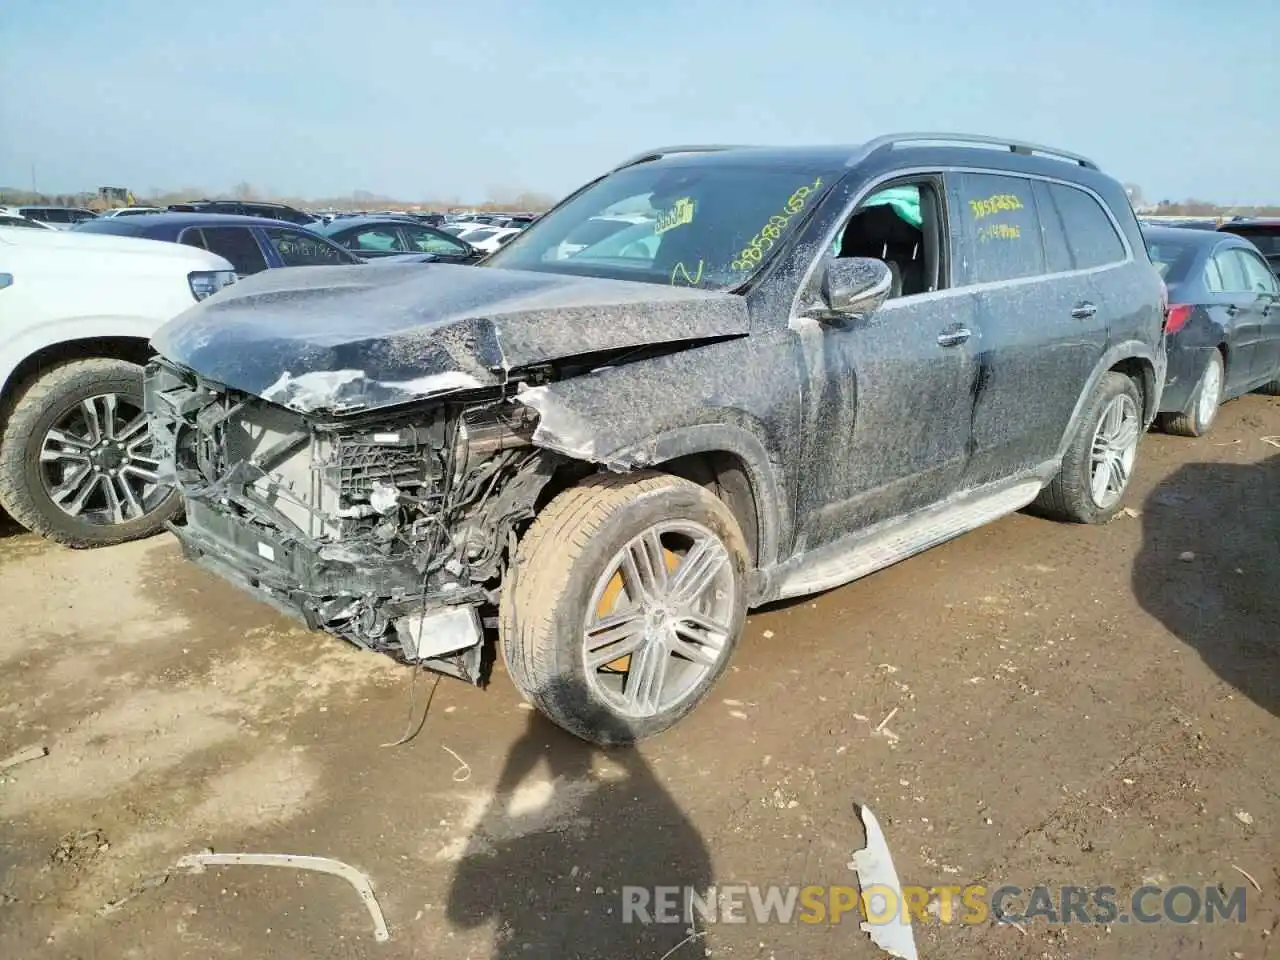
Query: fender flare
[1120,352]
[66,330]
[767,489]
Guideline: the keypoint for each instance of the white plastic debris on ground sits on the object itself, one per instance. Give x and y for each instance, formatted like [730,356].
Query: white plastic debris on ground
[875,869]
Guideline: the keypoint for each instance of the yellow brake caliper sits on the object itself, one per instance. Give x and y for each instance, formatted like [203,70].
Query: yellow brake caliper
[609,600]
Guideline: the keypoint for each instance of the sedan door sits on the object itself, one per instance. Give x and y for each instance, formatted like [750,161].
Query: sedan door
[1266,290]
[1234,308]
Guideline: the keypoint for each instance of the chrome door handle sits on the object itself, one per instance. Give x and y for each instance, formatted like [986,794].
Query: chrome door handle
[953,336]
[1083,311]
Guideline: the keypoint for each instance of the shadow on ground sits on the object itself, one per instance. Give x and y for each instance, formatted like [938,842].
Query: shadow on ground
[1209,569]
[558,892]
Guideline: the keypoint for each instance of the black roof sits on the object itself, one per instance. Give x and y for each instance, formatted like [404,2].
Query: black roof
[167,226]
[1188,236]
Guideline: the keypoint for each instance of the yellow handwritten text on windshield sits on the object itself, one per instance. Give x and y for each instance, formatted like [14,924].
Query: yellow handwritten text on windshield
[681,271]
[681,213]
[754,251]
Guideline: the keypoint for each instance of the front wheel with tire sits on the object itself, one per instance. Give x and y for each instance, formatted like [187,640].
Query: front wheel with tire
[1098,464]
[623,604]
[1205,402]
[76,462]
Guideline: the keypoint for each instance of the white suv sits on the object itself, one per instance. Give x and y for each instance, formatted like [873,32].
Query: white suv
[76,314]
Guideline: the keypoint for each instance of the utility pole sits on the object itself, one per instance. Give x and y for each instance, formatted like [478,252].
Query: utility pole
[33,177]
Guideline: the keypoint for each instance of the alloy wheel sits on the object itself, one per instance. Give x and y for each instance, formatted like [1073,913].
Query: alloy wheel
[97,462]
[659,619]
[1115,447]
[1210,394]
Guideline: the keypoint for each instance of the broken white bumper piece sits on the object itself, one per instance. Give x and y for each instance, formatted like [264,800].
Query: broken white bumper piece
[437,632]
[196,862]
[877,877]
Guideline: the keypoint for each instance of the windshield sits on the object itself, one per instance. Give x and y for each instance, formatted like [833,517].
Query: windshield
[708,224]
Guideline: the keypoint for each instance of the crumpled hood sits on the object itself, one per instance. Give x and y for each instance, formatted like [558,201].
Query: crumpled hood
[346,338]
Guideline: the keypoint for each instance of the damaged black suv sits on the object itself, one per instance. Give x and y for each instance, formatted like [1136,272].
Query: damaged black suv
[776,371]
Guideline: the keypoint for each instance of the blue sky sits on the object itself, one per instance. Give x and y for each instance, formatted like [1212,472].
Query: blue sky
[419,98]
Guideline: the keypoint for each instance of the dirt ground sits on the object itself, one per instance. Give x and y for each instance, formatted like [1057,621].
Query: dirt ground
[1073,705]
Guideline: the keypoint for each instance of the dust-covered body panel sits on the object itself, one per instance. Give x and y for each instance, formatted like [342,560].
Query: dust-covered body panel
[856,354]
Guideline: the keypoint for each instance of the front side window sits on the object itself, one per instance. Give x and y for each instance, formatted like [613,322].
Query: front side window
[1258,277]
[298,249]
[374,239]
[1090,233]
[898,224]
[717,219]
[999,229]
[430,241]
[236,245]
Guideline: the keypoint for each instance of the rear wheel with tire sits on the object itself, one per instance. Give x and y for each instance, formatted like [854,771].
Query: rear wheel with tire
[1098,464]
[1205,402]
[76,463]
[624,603]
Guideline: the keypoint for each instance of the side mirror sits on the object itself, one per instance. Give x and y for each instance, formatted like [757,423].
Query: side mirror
[853,288]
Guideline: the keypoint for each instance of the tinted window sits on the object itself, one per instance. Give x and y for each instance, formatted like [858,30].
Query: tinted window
[112,225]
[430,241]
[375,239]
[50,216]
[1257,275]
[193,238]
[1266,239]
[1090,232]
[1173,258]
[238,245]
[1227,274]
[298,249]
[1057,254]
[1000,229]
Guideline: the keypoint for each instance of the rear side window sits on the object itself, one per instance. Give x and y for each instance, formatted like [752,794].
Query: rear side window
[1091,235]
[298,249]
[236,244]
[1056,250]
[1225,273]
[1000,231]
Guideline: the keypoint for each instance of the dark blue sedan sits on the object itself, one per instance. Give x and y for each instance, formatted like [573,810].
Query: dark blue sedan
[251,244]
[1223,323]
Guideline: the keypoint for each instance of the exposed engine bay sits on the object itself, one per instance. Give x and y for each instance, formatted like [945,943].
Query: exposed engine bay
[388,529]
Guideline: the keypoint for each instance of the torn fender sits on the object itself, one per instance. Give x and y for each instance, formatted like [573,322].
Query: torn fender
[644,414]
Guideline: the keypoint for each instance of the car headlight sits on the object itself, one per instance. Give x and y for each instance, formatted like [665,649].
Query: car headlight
[205,283]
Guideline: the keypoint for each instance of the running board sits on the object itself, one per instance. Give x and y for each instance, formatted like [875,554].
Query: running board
[885,544]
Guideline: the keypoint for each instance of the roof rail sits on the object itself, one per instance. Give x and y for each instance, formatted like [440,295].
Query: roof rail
[889,141]
[659,152]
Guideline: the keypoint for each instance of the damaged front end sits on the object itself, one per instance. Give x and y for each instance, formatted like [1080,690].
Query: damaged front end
[388,529]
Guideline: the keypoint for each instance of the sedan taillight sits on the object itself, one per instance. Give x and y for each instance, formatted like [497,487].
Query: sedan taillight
[1176,316]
